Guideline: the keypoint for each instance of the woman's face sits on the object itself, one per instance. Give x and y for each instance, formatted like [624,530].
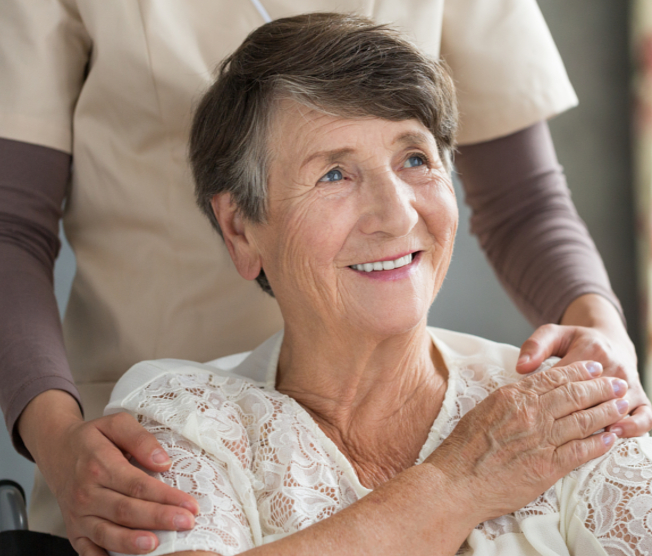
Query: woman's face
[360,224]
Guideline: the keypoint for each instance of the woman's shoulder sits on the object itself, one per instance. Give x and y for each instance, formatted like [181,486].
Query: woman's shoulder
[219,412]
[207,404]
[477,365]
[220,377]
[141,376]
[158,388]
[460,349]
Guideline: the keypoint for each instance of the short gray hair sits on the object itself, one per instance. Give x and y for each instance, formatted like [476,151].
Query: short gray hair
[345,65]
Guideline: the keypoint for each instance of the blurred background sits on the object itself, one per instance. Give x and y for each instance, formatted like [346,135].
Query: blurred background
[594,144]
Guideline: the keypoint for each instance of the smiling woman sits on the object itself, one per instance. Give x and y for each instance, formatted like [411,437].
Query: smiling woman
[379,190]
[325,165]
[229,148]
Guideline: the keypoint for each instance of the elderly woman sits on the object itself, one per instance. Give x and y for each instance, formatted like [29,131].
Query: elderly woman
[322,156]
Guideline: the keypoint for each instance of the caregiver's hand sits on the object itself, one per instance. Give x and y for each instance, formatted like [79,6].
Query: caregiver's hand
[103,497]
[525,436]
[591,329]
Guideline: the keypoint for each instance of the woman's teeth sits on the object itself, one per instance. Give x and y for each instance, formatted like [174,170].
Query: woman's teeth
[384,265]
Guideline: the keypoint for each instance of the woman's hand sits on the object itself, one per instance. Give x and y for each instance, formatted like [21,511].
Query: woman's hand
[525,436]
[592,330]
[106,502]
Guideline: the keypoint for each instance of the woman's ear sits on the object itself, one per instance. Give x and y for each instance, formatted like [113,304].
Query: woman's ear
[237,237]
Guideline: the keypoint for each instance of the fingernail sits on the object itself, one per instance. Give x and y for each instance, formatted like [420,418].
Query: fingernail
[182,522]
[617,431]
[160,457]
[622,406]
[619,386]
[594,368]
[608,439]
[523,359]
[192,508]
[145,543]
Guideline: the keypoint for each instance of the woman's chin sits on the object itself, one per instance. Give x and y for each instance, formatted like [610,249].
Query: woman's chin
[392,320]
[392,306]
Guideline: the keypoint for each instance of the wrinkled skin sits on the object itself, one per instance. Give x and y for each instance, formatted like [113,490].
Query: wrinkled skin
[527,435]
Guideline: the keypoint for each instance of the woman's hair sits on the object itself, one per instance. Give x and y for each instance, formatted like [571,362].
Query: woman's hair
[344,65]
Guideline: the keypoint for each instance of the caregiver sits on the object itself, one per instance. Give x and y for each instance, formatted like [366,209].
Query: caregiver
[109,87]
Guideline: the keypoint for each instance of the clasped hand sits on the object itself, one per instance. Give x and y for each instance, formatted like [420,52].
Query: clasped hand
[525,436]
[611,347]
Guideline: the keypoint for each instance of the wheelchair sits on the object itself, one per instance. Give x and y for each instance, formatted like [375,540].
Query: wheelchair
[15,538]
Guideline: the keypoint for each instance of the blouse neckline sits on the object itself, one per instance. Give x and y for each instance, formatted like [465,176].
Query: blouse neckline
[434,434]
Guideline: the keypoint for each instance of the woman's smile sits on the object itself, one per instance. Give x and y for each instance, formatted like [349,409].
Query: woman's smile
[391,268]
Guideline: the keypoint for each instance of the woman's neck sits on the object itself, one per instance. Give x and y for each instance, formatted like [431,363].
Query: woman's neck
[376,399]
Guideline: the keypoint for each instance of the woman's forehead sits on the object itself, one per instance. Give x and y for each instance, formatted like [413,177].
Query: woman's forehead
[306,134]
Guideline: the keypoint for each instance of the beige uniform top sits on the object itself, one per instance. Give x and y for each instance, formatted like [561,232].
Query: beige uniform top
[115,81]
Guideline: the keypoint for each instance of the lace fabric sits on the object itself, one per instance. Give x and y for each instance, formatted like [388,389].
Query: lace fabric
[616,499]
[259,473]
[261,468]
[221,521]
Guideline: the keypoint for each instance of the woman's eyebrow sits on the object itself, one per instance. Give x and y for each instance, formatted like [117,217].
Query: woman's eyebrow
[413,138]
[408,138]
[329,156]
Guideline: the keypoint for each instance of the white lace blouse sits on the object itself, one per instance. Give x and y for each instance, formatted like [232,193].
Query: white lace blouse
[261,468]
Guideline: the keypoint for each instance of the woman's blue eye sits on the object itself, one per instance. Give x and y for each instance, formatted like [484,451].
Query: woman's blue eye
[333,175]
[414,161]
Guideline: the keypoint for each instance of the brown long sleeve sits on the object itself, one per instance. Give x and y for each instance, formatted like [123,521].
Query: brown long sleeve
[33,182]
[527,224]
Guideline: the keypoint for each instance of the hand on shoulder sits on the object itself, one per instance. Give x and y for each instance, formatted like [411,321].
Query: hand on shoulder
[592,330]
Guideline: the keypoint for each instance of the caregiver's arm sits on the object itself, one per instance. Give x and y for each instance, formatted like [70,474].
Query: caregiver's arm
[544,256]
[40,402]
[33,182]
[504,453]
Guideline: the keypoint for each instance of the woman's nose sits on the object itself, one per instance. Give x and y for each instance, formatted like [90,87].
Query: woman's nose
[388,206]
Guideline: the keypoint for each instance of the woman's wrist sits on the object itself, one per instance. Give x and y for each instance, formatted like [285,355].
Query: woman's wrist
[454,506]
[463,501]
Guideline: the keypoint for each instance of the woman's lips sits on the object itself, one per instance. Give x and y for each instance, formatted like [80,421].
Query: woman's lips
[388,269]
[387,264]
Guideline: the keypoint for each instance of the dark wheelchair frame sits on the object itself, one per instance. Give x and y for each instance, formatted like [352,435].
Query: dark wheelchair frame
[15,537]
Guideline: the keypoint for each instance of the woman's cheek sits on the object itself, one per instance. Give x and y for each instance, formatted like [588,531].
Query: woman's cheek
[329,216]
[310,239]
[441,218]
